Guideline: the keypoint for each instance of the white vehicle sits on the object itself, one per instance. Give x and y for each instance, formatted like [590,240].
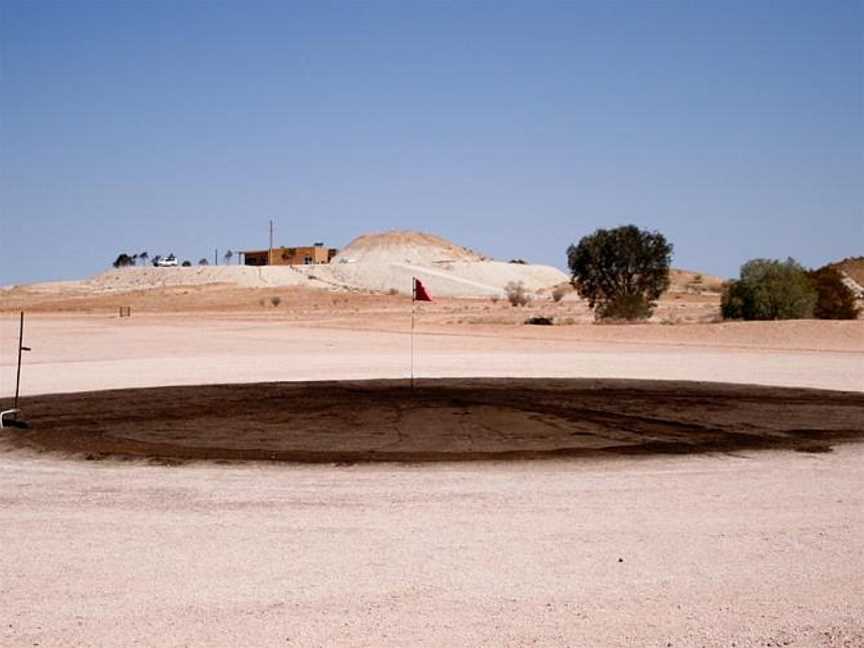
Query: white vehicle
[167,262]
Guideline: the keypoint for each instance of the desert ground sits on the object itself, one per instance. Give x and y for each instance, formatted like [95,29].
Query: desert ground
[726,545]
[189,480]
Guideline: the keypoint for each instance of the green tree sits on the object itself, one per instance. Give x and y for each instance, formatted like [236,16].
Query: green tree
[834,299]
[769,290]
[621,272]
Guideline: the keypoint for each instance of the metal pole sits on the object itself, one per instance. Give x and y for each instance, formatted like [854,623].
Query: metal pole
[20,349]
[270,253]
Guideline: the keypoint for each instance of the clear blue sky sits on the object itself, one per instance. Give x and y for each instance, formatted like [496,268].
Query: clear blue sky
[735,128]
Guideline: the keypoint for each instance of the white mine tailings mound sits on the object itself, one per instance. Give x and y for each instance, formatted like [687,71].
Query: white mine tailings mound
[388,261]
[372,262]
[408,247]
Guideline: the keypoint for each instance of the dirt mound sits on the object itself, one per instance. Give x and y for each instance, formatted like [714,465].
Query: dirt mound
[688,281]
[402,246]
[388,261]
[853,268]
[440,420]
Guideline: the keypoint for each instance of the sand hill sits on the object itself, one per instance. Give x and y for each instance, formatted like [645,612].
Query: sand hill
[382,262]
[404,246]
[388,261]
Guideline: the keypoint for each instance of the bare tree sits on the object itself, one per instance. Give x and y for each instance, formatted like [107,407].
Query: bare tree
[228,256]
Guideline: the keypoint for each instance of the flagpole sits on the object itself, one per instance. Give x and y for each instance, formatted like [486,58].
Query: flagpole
[413,299]
[21,348]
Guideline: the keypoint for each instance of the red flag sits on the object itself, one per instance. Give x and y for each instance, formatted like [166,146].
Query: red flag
[420,293]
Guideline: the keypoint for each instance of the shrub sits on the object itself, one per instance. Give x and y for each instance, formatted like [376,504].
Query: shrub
[769,290]
[203,262]
[517,261]
[539,320]
[558,294]
[393,292]
[834,299]
[186,264]
[621,272]
[516,294]
[275,300]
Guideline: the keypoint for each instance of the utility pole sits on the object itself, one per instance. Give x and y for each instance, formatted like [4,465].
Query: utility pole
[270,253]
[216,256]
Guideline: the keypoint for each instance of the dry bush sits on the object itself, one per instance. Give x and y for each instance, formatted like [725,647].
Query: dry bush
[558,294]
[275,300]
[516,294]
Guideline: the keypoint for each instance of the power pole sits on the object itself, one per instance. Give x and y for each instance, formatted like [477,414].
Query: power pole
[270,253]
[216,256]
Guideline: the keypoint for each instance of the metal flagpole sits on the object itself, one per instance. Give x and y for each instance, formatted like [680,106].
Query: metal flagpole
[413,299]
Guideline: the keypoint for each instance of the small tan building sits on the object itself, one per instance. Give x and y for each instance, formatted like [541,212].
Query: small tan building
[307,255]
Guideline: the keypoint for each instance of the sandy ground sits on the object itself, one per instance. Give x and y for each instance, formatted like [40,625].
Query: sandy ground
[746,548]
[83,353]
[750,550]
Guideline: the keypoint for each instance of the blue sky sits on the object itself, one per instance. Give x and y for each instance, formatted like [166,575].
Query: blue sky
[515,128]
